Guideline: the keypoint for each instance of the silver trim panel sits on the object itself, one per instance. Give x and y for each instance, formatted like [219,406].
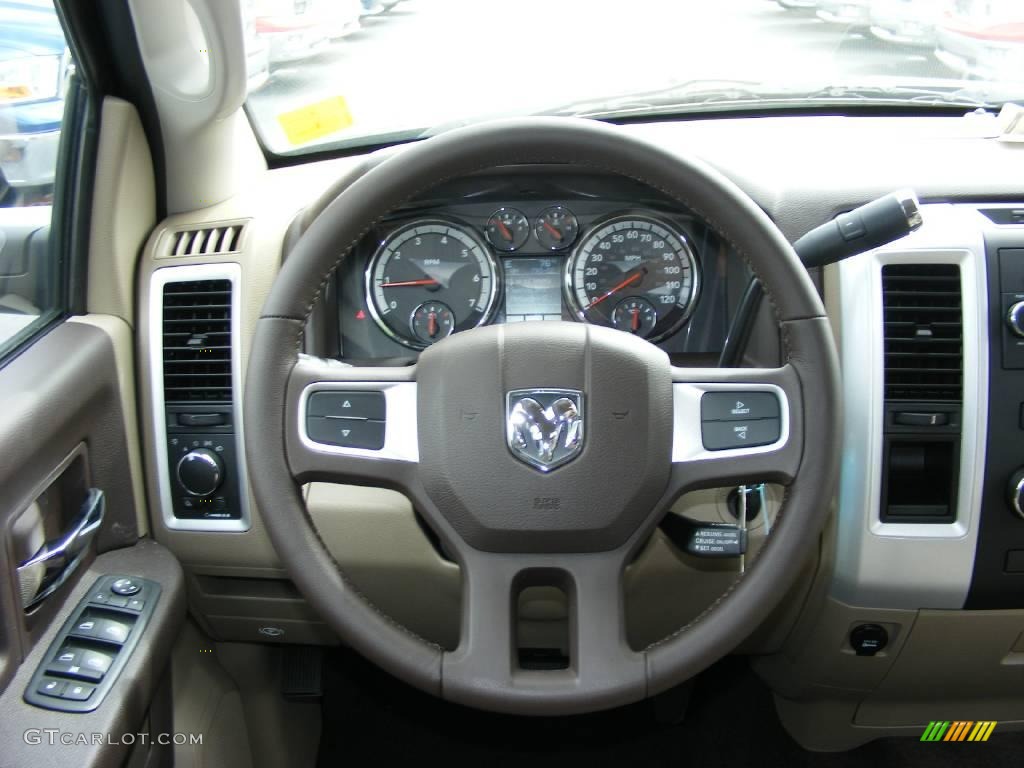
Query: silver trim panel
[183,274]
[687,441]
[401,440]
[906,566]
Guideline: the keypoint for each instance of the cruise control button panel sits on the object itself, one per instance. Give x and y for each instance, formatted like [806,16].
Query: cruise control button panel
[347,419]
[93,645]
[731,420]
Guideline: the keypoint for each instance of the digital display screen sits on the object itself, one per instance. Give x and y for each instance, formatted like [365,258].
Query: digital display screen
[533,289]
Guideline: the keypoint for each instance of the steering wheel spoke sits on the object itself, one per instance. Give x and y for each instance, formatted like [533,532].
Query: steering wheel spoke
[351,424]
[734,426]
[485,670]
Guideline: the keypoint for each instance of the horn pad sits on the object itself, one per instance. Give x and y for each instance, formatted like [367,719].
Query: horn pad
[544,437]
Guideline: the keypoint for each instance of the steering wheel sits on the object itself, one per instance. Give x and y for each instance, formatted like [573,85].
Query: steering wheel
[636,442]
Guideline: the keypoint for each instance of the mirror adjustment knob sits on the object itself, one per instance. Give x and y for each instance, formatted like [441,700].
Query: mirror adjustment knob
[1017,492]
[1015,318]
[200,472]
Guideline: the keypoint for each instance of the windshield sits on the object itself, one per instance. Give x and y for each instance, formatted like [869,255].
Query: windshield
[335,73]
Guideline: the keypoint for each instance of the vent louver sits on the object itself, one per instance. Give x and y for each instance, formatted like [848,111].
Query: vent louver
[923,332]
[197,341]
[206,241]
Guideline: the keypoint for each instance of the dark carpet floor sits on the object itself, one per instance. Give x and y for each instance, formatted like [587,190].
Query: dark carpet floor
[730,722]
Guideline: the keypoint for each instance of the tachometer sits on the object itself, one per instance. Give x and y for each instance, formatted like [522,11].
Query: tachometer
[636,273]
[428,279]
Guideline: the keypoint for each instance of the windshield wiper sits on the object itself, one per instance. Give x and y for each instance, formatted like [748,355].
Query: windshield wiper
[697,95]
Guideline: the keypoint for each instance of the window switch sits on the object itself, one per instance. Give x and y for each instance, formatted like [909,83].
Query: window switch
[67,661]
[86,626]
[114,631]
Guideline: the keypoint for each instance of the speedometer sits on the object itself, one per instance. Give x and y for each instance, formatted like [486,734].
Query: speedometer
[429,279]
[635,273]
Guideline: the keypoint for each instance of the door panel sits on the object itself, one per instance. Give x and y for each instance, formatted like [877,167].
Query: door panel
[63,443]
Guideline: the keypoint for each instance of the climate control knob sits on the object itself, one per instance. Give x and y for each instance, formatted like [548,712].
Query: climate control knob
[1016,490]
[1015,318]
[200,472]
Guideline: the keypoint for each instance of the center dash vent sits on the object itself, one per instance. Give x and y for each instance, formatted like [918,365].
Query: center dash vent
[197,341]
[923,332]
[206,241]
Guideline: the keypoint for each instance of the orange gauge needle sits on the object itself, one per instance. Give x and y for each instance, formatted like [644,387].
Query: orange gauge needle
[554,232]
[628,281]
[406,283]
[635,320]
[505,231]
[432,324]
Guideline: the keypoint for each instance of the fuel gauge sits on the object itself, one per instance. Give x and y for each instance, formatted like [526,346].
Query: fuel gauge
[556,228]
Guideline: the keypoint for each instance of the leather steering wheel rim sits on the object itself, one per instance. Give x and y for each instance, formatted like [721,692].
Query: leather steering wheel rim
[605,674]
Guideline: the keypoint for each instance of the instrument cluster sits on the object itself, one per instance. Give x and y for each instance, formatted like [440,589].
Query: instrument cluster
[513,252]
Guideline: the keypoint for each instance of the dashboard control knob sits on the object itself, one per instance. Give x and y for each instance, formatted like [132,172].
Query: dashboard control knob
[200,472]
[1015,318]
[1017,492]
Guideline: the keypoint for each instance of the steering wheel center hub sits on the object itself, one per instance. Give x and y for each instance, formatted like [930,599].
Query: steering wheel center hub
[545,437]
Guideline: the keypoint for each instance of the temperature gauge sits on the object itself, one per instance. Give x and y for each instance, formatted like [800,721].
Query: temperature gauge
[432,321]
[556,228]
[507,229]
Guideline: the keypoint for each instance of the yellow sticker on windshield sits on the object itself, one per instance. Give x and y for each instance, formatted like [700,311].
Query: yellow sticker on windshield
[307,124]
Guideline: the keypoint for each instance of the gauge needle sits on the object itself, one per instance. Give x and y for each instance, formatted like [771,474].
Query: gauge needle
[554,232]
[432,324]
[505,231]
[635,320]
[405,283]
[628,281]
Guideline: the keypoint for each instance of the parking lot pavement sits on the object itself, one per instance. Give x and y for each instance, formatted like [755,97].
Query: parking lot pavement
[431,62]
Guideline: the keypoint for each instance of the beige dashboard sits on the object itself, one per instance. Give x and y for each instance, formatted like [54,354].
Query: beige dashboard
[941,661]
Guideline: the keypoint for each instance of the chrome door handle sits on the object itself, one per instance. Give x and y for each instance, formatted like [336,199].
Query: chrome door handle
[59,558]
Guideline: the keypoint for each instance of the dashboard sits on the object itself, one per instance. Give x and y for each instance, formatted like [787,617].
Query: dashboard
[936,566]
[526,245]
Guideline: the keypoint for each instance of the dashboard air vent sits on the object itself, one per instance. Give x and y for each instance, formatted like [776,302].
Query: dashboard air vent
[923,332]
[206,241]
[197,341]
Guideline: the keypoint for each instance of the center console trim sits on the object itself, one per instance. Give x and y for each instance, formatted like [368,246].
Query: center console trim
[900,565]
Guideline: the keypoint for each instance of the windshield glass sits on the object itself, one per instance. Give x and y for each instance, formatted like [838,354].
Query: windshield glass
[334,73]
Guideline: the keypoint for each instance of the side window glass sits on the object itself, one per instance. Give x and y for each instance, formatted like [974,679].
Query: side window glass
[35,65]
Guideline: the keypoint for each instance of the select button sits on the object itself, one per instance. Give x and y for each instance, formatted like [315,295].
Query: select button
[738,406]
